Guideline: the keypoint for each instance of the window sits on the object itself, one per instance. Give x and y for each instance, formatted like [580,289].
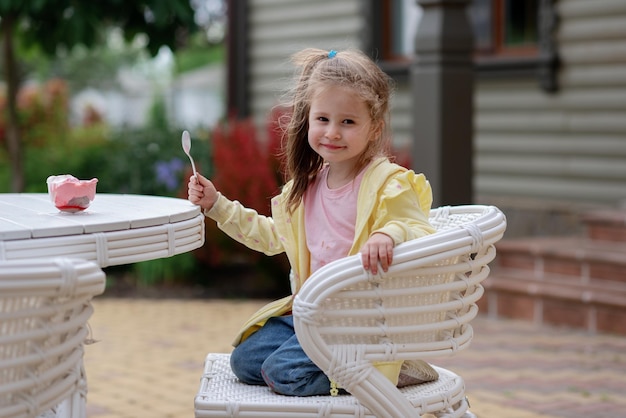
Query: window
[401,19]
[511,37]
[516,38]
[505,27]
[501,27]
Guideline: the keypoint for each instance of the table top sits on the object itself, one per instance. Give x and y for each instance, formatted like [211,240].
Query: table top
[115,229]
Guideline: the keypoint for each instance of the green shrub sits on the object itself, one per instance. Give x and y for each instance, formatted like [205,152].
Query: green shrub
[167,270]
[147,160]
[150,161]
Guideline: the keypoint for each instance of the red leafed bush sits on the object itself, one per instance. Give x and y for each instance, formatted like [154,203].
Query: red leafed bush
[243,170]
[242,166]
[402,156]
[275,128]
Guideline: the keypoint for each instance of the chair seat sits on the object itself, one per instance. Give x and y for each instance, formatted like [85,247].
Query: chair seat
[221,394]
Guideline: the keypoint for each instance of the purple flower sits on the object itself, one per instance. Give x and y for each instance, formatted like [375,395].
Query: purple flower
[167,172]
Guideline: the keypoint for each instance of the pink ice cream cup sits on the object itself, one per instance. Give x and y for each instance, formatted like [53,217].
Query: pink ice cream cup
[70,194]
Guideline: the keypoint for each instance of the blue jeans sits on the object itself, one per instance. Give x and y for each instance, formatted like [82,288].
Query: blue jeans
[273,356]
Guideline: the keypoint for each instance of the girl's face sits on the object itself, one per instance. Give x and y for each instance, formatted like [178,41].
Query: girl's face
[340,126]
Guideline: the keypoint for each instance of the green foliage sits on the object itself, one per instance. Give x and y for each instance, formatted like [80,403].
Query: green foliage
[147,160]
[166,270]
[54,24]
[95,67]
[150,160]
[197,54]
[5,173]
[43,123]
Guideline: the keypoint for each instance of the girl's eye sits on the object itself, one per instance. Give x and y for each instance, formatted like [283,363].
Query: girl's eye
[348,121]
[322,119]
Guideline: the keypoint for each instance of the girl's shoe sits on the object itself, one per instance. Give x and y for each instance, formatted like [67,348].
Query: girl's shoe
[414,372]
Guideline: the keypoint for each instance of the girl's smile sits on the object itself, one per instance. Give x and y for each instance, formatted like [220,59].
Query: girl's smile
[331,146]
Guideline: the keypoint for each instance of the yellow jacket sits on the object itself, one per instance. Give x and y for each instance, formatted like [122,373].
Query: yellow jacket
[391,199]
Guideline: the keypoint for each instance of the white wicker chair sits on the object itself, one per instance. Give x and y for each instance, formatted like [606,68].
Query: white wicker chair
[44,308]
[346,319]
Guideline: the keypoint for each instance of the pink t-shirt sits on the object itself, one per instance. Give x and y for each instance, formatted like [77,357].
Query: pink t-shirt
[329,219]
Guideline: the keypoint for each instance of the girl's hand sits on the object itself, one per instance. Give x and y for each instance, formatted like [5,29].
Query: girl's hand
[377,249]
[201,192]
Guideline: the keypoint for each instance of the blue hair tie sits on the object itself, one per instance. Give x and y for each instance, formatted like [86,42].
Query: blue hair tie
[332,53]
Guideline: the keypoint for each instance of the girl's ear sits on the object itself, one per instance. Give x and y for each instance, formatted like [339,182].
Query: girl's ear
[377,129]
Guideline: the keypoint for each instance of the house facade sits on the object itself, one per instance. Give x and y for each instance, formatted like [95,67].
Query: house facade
[549,93]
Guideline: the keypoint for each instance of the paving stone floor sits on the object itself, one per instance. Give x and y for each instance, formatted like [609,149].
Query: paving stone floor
[149,355]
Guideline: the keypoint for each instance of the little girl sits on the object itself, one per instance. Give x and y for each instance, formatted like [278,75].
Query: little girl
[343,197]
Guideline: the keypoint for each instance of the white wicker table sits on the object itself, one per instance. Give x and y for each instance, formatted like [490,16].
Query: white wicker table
[116,229]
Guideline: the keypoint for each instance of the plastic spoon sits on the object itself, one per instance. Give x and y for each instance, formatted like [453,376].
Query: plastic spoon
[186,140]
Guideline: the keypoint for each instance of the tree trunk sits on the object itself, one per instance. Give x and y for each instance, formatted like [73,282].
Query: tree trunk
[13,140]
